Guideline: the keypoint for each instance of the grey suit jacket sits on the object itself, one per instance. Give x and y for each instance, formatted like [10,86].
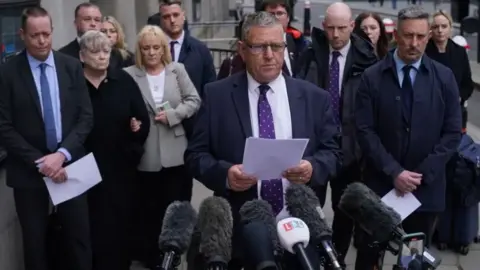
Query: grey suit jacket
[166,144]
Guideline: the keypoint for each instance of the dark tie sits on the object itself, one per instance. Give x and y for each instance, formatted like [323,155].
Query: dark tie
[285,69]
[334,85]
[407,94]
[271,190]
[48,117]
[172,49]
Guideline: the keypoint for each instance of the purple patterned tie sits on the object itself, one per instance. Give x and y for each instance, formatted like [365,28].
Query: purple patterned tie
[271,190]
[334,85]
[172,49]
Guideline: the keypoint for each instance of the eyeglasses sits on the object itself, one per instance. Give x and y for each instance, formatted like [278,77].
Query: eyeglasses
[262,48]
[279,14]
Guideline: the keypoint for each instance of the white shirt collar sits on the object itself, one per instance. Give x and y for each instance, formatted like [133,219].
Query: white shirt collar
[344,51]
[179,40]
[275,85]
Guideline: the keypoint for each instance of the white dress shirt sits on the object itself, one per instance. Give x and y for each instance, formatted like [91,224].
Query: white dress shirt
[178,46]
[156,84]
[286,55]
[278,99]
[342,60]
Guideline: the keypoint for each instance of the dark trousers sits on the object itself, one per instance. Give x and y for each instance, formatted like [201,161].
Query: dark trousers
[424,222]
[154,192]
[32,206]
[342,225]
[110,204]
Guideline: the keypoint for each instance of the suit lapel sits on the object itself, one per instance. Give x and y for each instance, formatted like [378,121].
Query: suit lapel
[184,50]
[170,82]
[142,82]
[27,75]
[242,104]
[348,66]
[297,104]
[63,85]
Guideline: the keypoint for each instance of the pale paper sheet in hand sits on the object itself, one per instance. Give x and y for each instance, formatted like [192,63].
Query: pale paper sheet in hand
[267,159]
[403,205]
[83,174]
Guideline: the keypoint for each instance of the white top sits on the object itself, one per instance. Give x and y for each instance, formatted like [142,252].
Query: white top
[342,59]
[157,87]
[278,99]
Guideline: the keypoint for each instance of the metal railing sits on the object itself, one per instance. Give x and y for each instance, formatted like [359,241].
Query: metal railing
[219,55]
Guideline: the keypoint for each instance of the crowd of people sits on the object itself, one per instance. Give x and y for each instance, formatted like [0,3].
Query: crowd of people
[384,112]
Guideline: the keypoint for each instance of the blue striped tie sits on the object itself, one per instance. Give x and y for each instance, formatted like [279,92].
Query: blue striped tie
[48,116]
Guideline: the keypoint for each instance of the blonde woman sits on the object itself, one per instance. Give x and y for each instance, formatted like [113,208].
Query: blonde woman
[442,49]
[114,31]
[170,98]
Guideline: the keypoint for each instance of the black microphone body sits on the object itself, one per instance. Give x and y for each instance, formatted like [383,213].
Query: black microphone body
[174,240]
[260,211]
[215,224]
[380,221]
[303,203]
[299,250]
[258,247]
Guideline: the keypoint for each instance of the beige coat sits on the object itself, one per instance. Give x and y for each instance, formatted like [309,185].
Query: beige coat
[166,144]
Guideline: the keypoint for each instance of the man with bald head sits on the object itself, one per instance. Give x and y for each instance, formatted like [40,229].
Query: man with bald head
[335,62]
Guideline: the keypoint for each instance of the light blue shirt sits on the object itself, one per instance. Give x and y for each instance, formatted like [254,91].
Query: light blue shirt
[399,64]
[51,73]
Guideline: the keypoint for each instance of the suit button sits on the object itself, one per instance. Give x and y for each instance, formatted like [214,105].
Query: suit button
[407,129]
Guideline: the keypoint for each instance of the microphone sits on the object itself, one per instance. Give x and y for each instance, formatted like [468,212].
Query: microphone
[294,236]
[261,211]
[215,223]
[380,221]
[303,203]
[178,225]
[258,246]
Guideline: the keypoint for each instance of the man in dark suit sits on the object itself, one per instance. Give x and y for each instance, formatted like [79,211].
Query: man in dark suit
[408,122]
[45,116]
[87,17]
[261,102]
[184,48]
[335,62]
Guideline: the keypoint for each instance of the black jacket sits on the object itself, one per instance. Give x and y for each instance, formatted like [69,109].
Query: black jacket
[313,66]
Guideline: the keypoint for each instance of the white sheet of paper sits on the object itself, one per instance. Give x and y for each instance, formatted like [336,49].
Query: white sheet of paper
[83,174]
[404,205]
[267,158]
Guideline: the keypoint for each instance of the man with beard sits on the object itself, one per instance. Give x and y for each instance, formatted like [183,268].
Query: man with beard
[335,61]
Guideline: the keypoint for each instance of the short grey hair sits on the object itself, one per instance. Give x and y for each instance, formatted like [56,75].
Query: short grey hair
[94,40]
[412,13]
[262,19]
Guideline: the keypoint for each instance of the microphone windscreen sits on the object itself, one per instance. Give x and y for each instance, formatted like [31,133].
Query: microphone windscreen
[178,225]
[215,223]
[367,209]
[302,203]
[260,210]
[258,249]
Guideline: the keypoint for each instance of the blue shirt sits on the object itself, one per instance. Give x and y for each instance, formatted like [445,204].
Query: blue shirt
[51,73]
[399,64]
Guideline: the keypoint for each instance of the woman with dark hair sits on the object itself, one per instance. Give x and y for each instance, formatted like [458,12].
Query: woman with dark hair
[372,25]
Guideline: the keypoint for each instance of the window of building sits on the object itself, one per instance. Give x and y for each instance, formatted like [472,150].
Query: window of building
[197,10]
[10,13]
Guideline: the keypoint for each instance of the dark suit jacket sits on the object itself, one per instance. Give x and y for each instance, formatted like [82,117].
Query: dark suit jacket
[223,126]
[423,146]
[198,62]
[21,121]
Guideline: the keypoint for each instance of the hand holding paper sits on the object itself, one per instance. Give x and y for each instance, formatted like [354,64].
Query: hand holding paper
[82,175]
